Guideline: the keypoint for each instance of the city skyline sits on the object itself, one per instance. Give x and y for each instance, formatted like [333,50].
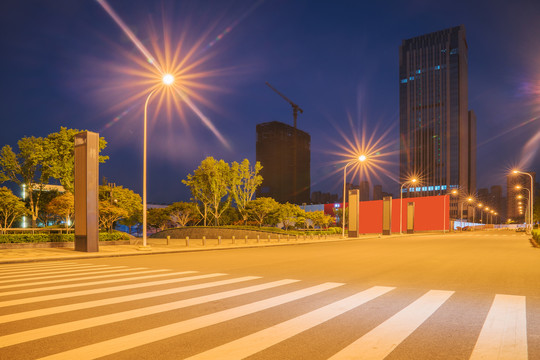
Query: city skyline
[66,61]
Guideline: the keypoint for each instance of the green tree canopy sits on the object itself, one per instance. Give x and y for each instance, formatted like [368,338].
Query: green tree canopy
[245,181]
[288,214]
[63,206]
[26,169]
[158,218]
[60,155]
[260,208]
[123,198]
[181,213]
[11,208]
[209,185]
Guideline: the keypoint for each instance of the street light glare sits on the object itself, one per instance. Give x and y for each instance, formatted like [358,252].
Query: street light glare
[362,158]
[168,79]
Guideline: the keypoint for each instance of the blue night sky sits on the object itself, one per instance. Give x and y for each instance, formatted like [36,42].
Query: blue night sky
[67,63]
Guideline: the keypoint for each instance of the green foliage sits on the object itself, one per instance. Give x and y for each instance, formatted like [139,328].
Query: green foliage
[11,208]
[245,181]
[39,238]
[261,208]
[63,206]
[536,234]
[289,214]
[320,219]
[158,218]
[181,213]
[209,185]
[60,155]
[118,204]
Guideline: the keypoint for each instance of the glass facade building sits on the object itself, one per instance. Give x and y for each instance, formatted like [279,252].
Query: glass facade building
[437,131]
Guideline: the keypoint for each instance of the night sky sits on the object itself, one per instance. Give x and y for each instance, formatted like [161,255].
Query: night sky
[67,63]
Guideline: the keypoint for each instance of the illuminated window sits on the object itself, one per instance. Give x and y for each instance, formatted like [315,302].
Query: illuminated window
[453,51]
[438,67]
[411,78]
[403,81]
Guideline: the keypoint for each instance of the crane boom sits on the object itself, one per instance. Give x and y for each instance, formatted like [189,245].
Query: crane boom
[295,107]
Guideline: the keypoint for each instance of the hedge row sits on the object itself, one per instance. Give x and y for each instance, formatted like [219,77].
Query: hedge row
[37,238]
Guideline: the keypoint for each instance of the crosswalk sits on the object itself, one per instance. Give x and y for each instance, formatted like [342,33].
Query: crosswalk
[84,311]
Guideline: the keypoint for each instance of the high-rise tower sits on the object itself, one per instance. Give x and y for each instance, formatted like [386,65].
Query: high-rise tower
[437,132]
[275,151]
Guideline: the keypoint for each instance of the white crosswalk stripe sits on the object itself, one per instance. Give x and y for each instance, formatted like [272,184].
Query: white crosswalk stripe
[502,334]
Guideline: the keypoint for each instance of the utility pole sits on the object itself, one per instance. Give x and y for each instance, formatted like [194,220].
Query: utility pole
[295,109]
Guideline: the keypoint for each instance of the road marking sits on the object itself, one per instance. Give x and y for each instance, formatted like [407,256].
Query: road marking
[112,288]
[382,340]
[126,342]
[72,277]
[251,344]
[53,330]
[504,334]
[55,270]
[67,286]
[119,299]
[16,267]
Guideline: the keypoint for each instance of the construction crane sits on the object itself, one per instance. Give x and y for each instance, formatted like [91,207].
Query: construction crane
[295,107]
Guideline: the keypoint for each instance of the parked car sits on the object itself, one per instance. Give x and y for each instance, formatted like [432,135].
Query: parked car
[520,229]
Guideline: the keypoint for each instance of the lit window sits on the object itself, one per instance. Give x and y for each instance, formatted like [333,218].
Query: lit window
[418,71]
[417,189]
[443,51]
[430,188]
[437,188]
[453,51]
[403,81]
[411,78]
[424,188]
[438,67]
[443,187]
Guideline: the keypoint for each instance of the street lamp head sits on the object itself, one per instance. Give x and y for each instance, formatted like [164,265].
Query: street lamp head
[470,199]
[480,205]
[454,192]
[413,180]
[515,171]
[168,79]
[518,187]
[362,158]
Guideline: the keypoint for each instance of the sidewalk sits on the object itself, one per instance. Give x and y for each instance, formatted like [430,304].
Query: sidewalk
[156,246]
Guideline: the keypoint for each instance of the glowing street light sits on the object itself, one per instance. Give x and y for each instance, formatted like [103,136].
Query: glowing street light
[453,192]
[167,80]
[411,181]
[531,195]
[469,199]
[361,159]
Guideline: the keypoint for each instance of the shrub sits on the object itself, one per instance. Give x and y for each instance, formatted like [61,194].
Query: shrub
[37,238]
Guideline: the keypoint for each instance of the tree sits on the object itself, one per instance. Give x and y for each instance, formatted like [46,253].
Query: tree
[209,184]
[60,156]
[63,206]
[245,181]
[11,208]
[181,213]
[26,170]
[320,219]
[287,213]
[109,214]
[122,198]
[260,208]
[158,218]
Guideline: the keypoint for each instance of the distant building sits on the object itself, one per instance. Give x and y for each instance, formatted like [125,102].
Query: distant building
[437,130]
[318,197]
[364,190]
[275,152]
[377,192]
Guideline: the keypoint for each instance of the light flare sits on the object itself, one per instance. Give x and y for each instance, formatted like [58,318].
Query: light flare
[172,71]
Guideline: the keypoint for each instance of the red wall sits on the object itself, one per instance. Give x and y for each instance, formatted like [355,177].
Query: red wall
[431,213]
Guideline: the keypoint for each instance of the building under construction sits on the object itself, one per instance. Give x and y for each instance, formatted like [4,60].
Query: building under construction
[275,151]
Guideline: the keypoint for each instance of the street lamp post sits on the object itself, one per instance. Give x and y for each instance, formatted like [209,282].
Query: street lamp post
[530,211]
[413,180]
[168,80]
[461,212]
[453,192]
[361,158]
[531,195]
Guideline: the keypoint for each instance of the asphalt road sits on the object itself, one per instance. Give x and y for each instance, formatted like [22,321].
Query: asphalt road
[453,296]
